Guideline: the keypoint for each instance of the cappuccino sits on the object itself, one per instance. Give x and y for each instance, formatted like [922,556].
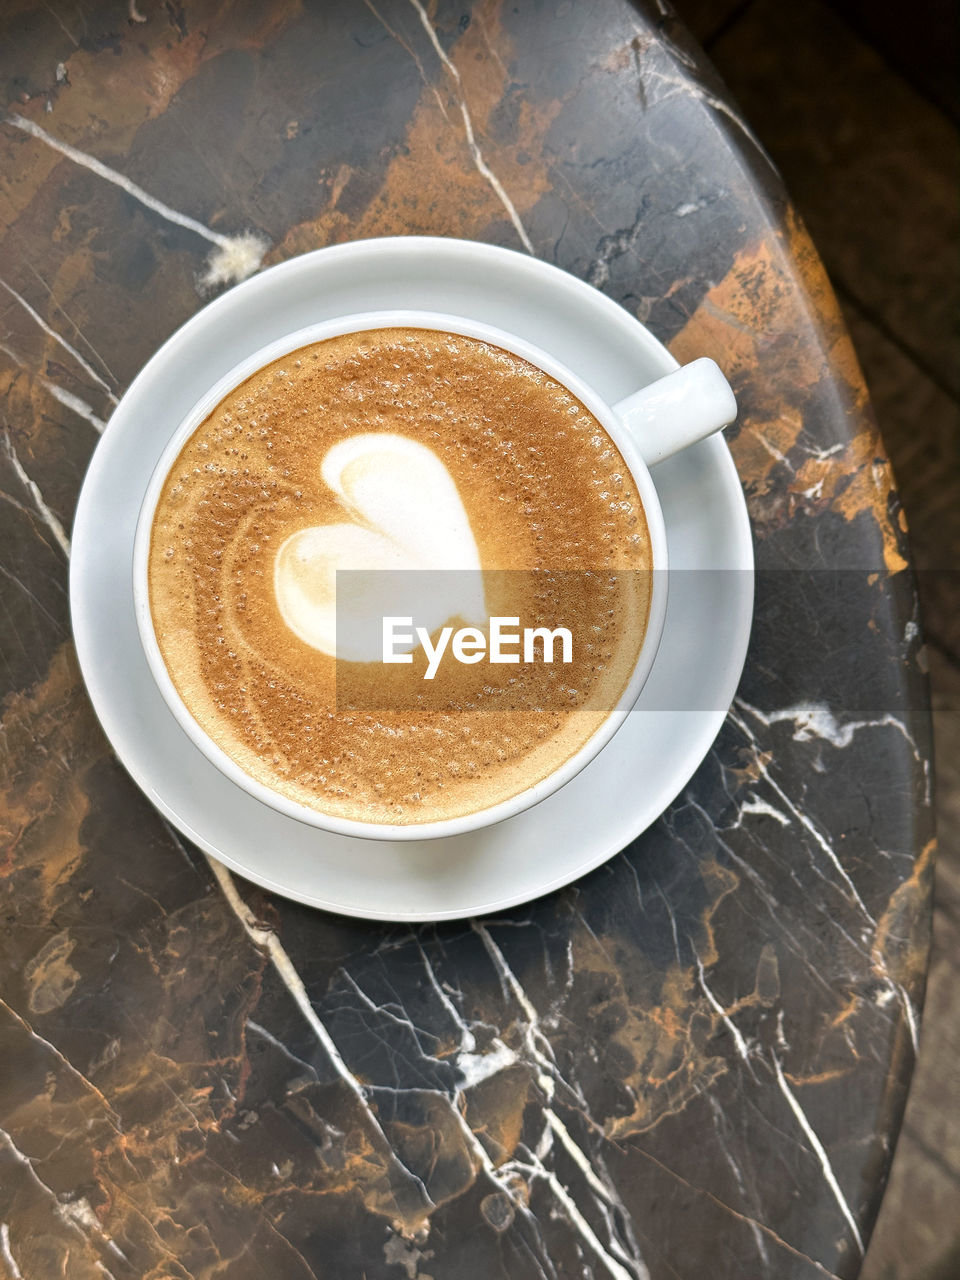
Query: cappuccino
[398,452]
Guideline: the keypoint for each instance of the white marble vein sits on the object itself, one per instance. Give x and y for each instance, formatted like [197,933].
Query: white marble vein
[235,257]
[722,1014]
[112,1117]
[74,403]
[8,1258]
[48,517]
[805,822]
[268,941]
[468,1041]
[753,804]
[66,398]
[80,1213]
[719,1120]
[679,85]
[540,1051]
[26,1163]
[604,1191]
[71,322]
[472,1067]
[819,1151]
[475,1067]
[482,167]
[910,1014]
[510,984]
[614,246]
[264,1034]
[413,54]
[61,340]
[816,720]
[534,1169]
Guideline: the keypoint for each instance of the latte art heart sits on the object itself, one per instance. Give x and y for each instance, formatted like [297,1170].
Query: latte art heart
[407,516]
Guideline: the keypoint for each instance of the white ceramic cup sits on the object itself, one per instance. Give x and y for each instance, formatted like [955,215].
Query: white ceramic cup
[654,423]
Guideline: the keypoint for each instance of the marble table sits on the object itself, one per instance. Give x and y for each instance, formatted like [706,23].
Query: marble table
[694,1061]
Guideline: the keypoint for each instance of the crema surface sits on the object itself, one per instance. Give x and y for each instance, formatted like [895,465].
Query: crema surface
[391,449]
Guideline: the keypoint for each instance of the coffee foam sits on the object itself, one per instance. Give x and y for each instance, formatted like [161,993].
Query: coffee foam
[433,449]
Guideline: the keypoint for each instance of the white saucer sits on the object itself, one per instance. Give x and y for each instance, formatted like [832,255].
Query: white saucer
[634,777]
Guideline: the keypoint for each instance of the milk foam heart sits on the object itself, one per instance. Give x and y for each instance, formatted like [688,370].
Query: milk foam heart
[407,516]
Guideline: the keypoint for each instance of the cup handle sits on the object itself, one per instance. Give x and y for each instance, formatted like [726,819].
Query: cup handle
[678,410]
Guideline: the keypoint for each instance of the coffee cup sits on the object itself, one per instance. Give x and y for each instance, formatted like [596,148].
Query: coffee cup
[647,427]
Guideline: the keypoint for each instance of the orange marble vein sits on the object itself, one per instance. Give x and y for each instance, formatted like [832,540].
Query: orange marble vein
[901,937]
[775,311]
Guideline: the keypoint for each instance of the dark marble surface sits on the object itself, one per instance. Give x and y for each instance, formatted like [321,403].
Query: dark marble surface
[694,1061]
